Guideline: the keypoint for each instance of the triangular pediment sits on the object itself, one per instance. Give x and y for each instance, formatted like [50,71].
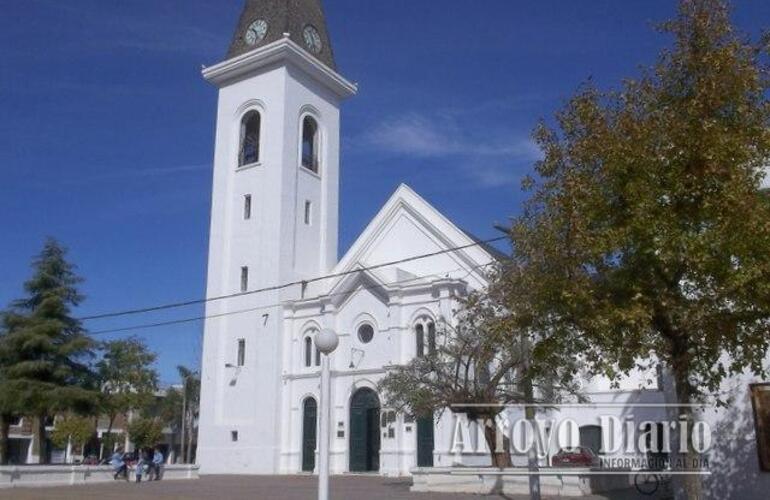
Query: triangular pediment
[352,283]
[406,228]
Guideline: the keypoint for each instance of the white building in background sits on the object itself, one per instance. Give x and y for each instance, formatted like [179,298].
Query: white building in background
[274,221]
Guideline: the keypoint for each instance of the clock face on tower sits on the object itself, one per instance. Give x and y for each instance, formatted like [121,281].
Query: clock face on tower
[256,32]
[312,39]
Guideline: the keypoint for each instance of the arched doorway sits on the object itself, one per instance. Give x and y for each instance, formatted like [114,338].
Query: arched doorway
[309,418]
[364,431]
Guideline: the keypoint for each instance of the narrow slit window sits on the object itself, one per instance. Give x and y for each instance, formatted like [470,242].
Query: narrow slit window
[250,130]
[241,352]
[234,436]
[244,279]
[308,212]
[247,207]
[317,356]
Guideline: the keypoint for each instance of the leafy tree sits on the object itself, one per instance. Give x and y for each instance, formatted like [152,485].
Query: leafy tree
[126,376]
[170,413]
[110,441]
[483,360]
[647,239]
[44,352]
[74,430]
[145,432]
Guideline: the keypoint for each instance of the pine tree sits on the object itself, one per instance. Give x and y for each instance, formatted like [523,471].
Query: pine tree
[44,351]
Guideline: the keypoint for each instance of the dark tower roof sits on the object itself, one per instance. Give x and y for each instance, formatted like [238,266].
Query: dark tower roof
[283,16]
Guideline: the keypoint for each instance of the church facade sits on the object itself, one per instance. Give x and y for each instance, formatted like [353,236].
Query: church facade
[275,280]
[274,222]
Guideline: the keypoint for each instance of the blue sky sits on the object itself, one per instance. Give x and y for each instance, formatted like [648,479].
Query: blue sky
[106,129]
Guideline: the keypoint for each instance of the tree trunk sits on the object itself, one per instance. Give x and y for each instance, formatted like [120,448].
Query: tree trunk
[499,449]
[188,457]
[171,455]
[5,429]
[42,445]
[691,483]
[184,422]
[690,460]
[108,434]
[529,414]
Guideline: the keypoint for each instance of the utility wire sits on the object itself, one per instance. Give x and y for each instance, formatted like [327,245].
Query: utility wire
[286,285]
[148,326]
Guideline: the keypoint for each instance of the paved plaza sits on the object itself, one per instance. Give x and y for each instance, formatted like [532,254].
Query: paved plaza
[255,488]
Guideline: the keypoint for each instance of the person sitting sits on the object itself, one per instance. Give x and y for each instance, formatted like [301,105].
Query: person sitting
[143,462]
[157,462]
[118,464]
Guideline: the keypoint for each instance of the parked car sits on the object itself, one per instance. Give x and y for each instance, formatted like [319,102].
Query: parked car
[575,457]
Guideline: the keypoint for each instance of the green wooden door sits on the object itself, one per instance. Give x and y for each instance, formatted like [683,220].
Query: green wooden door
[309,417]
[425,442]
[364,431]
[373,440]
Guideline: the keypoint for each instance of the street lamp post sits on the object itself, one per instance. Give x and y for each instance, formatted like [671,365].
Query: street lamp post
[326,341]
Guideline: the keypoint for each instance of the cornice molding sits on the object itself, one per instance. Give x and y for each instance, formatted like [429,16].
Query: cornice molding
[283,50]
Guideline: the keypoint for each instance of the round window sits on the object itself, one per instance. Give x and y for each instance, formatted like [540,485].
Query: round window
[365,333]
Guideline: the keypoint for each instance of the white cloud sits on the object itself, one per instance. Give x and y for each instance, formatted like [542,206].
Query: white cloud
[412,135]
[490,160]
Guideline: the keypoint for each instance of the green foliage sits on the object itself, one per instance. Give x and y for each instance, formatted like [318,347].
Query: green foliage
[647,237]
[44,351]
[109,441]
[171,408]
[481,363]
[127,379]
[191,384]
[190,393]
[145,432]
[191,390]
[77,429]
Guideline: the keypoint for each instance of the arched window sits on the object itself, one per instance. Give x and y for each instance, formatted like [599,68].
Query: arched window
[431,337]
[308,352]
[250,129]
[425,334]
[310,144]
[419,331]
[312,352]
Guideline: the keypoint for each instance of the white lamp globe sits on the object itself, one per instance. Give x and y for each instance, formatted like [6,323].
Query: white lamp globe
[327,341]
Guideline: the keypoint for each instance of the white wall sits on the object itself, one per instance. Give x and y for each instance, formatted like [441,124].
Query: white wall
[277,248]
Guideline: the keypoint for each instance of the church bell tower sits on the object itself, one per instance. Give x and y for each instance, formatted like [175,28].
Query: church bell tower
[274,219]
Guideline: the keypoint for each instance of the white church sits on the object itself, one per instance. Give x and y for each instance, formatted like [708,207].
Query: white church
[274,221]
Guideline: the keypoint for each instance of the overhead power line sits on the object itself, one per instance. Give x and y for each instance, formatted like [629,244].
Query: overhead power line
[148,326]
[175,305]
